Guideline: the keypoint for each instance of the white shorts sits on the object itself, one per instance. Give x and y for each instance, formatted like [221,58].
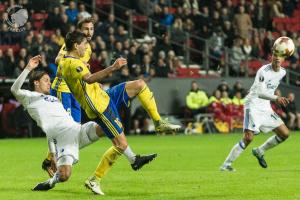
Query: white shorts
[257,121]
[68,142]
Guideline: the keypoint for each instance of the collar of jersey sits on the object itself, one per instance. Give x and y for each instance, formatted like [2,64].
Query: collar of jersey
[70,57]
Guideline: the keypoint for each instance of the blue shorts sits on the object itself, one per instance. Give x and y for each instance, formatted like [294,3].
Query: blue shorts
[70,104]
[110,120]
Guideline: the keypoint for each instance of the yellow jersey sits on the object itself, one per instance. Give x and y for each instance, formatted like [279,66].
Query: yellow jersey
[92,98]
[58,83]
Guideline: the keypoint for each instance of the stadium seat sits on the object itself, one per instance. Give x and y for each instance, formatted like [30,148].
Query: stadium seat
[103,3]
[2,8]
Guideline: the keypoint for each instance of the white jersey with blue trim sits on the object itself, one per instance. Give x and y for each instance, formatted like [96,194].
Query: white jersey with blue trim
[46,110]
[266,82]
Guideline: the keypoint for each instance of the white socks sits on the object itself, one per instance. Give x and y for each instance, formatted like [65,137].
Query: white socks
[235,152]
[129,155]
[270,143]
[54,179]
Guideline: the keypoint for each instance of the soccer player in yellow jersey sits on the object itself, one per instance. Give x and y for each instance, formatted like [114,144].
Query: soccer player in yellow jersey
[59,87]
[102,106]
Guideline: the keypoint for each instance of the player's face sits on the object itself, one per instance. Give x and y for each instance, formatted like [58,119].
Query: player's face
[277,61]
[88,30]
[81,48]
[43,85]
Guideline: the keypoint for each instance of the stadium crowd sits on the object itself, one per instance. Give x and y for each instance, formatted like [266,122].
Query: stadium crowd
[248,28]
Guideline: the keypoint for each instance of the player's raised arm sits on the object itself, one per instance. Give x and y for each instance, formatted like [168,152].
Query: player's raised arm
[98,76]
[32,64]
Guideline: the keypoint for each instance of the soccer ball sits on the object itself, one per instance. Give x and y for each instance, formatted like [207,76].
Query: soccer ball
[283,46]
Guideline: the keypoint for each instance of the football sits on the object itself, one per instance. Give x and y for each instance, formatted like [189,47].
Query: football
[283,46]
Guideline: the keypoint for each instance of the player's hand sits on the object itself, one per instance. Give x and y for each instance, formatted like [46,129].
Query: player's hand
[282,101]
[120,62]
[34,62]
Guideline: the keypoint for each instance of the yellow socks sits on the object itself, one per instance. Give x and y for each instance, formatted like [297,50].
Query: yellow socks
[49,156]
[148,102]
[107,160]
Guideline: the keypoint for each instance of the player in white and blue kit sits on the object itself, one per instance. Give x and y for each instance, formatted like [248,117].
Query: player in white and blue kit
[258,114]
[65,136]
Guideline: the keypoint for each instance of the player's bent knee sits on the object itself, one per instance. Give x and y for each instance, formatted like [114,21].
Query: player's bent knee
[64,176]
[140,84]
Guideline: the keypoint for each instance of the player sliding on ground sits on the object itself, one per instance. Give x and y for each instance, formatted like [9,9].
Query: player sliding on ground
[64,135]
[258,114]
[59,87]
[102,106]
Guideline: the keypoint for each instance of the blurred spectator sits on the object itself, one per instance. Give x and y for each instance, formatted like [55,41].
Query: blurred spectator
[237,56]
[260,15]
[147,67]
[37,45]
[257,49]
[292,113]
[267,44]
[82,13]
[223,86]
[277,10]
[247,48]
[196,100]
[6,36]
[288,7]
[2,64]
[121,34]
[54,18]
[238,99]
[215,98]
[242,23]
[225,99]
[18,70]
[23,55]
[58,38]
[162,69]
[167,18]
[72,12]
[141,121]
[133,59]
[9,62]
[64,25]
[228,34]
[238,87]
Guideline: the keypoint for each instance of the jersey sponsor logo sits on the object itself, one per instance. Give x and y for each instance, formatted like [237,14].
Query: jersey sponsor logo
[49,98]
[79,69]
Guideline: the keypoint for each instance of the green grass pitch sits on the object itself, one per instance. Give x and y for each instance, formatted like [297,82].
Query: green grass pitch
[187,167]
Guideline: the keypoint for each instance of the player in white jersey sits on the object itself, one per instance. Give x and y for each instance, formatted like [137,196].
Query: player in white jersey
[258,114]
[64,135]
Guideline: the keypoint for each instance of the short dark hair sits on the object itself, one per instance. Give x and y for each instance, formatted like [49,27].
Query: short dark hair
[72,38]
[35,75]
[85,21]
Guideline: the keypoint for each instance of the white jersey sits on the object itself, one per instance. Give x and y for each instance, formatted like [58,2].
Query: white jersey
[46,110]
[266,82]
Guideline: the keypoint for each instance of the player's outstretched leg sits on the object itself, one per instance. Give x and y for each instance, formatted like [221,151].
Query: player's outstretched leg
[141,160]
[63,173]
[236,151]
[94,185]
[260,157]
[44,186]
[282,133]
[146,97]
[106,162]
